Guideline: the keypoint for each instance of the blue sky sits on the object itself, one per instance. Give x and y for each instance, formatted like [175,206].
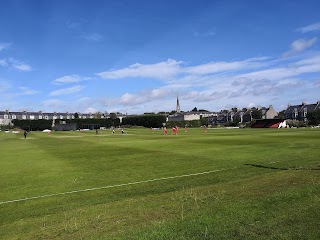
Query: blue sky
[136,56]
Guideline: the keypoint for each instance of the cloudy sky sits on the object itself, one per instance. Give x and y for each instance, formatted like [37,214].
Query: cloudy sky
[136,56]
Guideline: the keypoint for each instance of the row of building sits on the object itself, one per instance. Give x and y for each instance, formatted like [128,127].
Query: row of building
[225,116]
[7,116]
[295,112]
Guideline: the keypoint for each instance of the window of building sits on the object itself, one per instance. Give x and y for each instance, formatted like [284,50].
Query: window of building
[6,116]
[31,117]
[13,116]
[61,117]
[40,116]
[46,117]
[24,116]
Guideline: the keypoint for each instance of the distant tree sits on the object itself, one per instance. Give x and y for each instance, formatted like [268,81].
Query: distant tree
[281,114]
[204,121]
[314,117]
[194,110]
[244,109]
[34,125]
[296,123]
[203,110]
[173,112]
[193,123]
[148,113]
[256,114]
[97,115]
[234,109]
[76,115]
[151,120]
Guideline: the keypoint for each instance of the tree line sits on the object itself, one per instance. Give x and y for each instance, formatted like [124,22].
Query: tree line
[143,120]
[42,124]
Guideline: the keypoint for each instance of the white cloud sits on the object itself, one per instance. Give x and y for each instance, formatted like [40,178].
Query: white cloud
[84,104]
[310,28]
[3,63]
[272,73]
[74,25]
[90,110]
[27,91]
[131,99]
[299,46]
[162,70]
[4,46]
[206,96]
[309,60]
[306,65]
[4,86]
[8,90]
[209,33]
[70,79]
[216,67]
[19,65]
[212,86]
[142,97]
[262,78]
[191,95]
[22,67]
[169,70]
[55,104]
[13,63]
[242,81]
[65,91]
[96,37]
[270,88]
[250,105]
[159,93]
[78,28]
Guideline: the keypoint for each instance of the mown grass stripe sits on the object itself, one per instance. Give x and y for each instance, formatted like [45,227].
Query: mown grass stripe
[117,185]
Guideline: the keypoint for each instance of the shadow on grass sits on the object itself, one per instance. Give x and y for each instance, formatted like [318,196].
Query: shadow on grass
[282,168]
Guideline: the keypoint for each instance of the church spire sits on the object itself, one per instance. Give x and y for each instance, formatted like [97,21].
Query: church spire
[178,105]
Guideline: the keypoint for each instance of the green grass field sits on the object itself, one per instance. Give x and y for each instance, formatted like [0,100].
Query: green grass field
[223,184]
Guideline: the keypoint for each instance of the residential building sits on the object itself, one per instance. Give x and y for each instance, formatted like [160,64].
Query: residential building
[268,113]
[299,112]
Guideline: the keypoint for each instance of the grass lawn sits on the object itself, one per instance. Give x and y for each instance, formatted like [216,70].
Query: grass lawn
[222,184]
